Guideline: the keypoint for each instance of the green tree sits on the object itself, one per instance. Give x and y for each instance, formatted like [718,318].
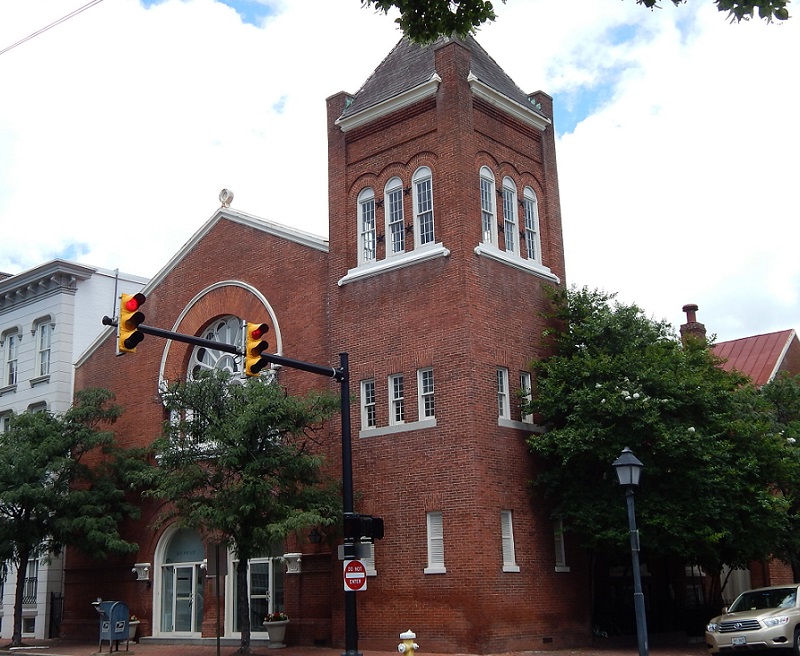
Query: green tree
[60,486]
[617,378]
[425,21]
[236,463]
[783,395]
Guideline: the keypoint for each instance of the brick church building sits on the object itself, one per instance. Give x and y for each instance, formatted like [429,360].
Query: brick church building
[445,233]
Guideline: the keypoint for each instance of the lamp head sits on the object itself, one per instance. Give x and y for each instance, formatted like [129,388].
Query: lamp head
[628,468]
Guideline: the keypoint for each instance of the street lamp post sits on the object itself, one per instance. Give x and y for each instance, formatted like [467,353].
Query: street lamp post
[629,469]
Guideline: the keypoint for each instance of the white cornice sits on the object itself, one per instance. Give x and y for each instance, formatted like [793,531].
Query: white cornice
[524,114]
[404,99]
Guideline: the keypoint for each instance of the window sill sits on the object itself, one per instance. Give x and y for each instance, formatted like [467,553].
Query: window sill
[421,254]
[39,380]
[562,568]
[530,266]
[435,569]
[520,425]
[511,568]
[8,388]
[397,428]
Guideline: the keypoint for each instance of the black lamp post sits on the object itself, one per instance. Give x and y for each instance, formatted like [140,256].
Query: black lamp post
[629,469]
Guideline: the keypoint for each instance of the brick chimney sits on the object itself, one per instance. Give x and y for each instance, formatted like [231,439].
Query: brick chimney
[692,326]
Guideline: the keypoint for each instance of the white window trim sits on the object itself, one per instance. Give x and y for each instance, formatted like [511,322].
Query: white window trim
[41,328]
[393,185]
[416,256]
[398,428]
[365,406]
[394,401]
[507,540]
[503,392]
[11,339]
[529,198]
[421,175]
[435,538]
[529,266]
[525,394]
[510,217]
[365,234]
[422,395]
[488,236]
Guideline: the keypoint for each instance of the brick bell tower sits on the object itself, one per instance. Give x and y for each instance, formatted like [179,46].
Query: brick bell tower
[445,231]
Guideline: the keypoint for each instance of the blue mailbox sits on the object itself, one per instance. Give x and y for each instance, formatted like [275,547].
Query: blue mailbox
[114,622]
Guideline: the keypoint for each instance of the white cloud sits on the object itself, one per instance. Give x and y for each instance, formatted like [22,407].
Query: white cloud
[122,124]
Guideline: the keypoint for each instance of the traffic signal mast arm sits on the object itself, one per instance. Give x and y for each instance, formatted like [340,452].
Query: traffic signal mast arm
[336,373]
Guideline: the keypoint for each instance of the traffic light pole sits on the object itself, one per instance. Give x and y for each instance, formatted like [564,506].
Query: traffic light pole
[342,376]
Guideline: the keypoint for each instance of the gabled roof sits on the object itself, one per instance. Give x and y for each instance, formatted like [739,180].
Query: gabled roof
[759,357]
[410,65]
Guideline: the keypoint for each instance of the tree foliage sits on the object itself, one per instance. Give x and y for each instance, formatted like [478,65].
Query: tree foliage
[51,497]
[617,378]
[236,463]
[425,21]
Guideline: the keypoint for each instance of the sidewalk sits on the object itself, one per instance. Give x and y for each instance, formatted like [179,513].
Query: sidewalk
[147,648]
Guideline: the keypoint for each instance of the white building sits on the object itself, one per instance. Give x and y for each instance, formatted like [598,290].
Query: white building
[48,316]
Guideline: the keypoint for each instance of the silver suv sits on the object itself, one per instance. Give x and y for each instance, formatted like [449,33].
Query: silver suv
[758,619]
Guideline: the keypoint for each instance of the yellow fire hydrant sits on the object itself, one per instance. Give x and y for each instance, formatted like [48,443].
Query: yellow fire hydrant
[408,646]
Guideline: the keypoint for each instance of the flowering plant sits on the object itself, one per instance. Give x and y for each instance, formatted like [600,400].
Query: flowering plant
[276,617]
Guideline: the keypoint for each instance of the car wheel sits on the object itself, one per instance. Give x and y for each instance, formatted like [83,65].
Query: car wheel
[796,643]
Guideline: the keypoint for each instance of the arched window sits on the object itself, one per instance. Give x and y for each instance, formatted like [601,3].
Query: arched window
[366,226]
[531,208]
[423,206]
[395,228]
[226,330]
[510,216]
[488,207]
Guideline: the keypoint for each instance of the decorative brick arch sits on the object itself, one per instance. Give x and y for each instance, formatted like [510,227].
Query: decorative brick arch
[227,297]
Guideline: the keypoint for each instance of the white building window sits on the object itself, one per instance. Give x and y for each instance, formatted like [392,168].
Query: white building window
[503,402]
[44,338]
[425,399]
[423,206]
[366,226]
[397,414]
[507,538]
[561,554]
[11,361]
[5,422]
[488,207]
[368,411]
[395,228]
[510,216]
[525,395]
[435,544]
[531,208]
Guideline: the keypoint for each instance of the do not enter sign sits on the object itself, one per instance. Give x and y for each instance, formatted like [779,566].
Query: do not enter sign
[355,576]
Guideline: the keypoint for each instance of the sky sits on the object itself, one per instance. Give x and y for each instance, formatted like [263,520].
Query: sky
[678,135]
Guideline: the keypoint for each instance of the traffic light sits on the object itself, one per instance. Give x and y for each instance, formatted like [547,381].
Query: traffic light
[362,527]
[129,319]
[254,345]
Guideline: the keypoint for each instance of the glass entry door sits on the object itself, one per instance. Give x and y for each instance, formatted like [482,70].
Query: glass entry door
[182,595]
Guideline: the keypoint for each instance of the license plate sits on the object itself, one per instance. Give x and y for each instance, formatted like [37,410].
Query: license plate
[738,640]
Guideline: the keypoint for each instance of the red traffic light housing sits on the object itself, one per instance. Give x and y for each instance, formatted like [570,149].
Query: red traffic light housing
[254,346]
[130,316]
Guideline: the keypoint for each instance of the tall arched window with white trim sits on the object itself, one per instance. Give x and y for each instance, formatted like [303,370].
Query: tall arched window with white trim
[366,226]
[488,207]
[530,206]
[510,215]
[395,228]
[423,206]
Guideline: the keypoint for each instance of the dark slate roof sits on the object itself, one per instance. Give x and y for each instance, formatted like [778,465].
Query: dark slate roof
[408,65]
[759,356]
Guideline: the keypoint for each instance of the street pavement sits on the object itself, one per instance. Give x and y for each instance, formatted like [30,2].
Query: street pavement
[154,648]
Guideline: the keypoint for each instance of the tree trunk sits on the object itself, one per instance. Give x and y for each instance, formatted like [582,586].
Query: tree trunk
[19,593]
[243,603]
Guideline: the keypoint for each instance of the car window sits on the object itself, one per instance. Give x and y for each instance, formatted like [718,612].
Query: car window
[765,599]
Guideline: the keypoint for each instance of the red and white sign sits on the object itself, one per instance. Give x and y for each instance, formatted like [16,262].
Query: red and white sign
[355,576]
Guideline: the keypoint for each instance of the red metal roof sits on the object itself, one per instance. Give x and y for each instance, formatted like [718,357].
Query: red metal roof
[759,356]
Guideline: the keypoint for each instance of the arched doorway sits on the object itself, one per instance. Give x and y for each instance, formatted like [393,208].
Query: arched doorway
[178,579]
